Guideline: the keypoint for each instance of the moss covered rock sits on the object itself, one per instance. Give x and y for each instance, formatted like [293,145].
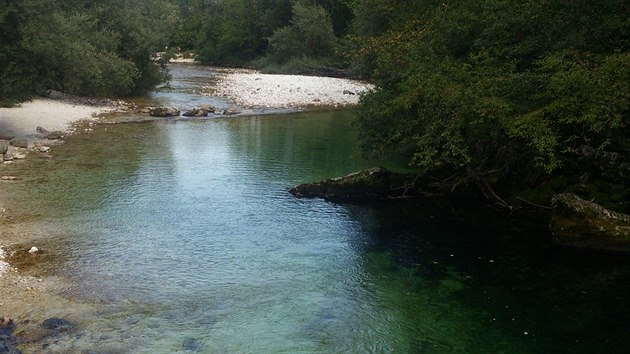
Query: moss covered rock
[373,183]
[582,224]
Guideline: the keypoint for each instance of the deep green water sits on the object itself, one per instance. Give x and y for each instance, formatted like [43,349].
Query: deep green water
[182,236]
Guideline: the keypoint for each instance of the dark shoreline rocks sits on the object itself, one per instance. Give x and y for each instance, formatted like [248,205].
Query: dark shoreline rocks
[57,324]
[7,340]
[374,183]
[196,112]
[164,112]
[581,224]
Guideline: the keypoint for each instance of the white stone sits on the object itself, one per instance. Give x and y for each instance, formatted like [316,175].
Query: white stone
[33,250]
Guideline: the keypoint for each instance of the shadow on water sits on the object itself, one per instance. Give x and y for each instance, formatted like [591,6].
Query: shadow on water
[493,282]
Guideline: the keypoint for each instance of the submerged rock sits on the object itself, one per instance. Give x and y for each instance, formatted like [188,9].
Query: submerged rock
[7,340]
[582,224]
[375,183]
[164,112]
[58,324]
[4,146]
[192,345]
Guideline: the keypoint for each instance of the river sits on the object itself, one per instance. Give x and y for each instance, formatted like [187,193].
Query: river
[182,237]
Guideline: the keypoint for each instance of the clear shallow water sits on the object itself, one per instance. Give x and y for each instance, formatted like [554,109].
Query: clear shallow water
[184,238]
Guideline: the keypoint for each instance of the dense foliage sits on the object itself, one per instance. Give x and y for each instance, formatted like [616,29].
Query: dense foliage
[81,47]
[288,36]
[504,93]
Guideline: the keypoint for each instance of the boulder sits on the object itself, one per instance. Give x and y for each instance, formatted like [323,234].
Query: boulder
[4,146]
[6,137]
[164,112]
[208,107]
[581,224]
[231,111]
[196,112]
[41,130]
[56,95]
[54,135]
[374,183]
[21,143]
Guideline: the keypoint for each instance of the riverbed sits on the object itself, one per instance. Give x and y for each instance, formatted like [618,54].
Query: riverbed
[181,236]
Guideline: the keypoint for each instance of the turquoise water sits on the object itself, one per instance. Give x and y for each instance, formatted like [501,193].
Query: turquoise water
[182,237]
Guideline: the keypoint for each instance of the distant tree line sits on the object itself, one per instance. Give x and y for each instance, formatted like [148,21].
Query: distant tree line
[276,35]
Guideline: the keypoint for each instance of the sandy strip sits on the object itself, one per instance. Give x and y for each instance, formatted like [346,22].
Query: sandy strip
[22,121]
[252,89]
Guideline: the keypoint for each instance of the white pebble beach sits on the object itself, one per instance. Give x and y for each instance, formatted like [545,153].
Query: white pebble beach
[24,119]
[251,89]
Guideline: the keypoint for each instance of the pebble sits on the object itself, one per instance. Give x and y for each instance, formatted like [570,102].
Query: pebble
[33,250]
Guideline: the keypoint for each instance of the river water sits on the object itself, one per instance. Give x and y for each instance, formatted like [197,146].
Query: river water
[182,237]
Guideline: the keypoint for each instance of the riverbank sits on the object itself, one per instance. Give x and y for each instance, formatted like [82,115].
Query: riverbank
[251,89]
[50,114]
[28,293]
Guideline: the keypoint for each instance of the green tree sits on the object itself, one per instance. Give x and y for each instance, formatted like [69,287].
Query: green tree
[81,47]
[494,93]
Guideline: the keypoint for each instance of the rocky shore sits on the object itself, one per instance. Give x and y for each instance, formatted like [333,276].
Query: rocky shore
[575,223]
[251,89]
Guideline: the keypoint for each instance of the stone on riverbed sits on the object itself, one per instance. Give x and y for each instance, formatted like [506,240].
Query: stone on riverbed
[578,223]
[375,183]
[4,146]
[164,112]
[57,324]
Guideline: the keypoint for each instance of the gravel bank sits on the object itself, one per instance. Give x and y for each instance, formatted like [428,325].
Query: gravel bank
[23,120]
[251,89]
